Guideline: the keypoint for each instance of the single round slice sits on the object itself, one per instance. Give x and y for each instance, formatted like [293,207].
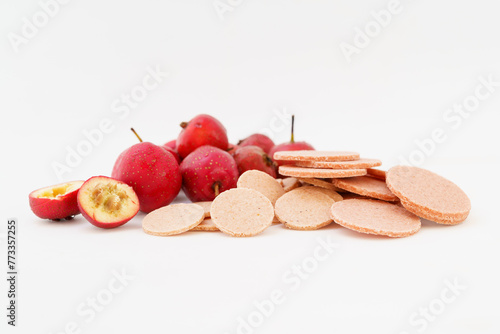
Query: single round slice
[323,183]
[206,225]
[366,186]
[289,183]
[353,164]
[263,183]
[206,206]
[316,156]
[304,208]
[56,202]
[429,195]
[106,202]
[242,212]
[375,217]
[376,173]
[295,171]
[173,219]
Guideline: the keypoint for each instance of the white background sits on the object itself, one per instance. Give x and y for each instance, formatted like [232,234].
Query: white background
[264,56]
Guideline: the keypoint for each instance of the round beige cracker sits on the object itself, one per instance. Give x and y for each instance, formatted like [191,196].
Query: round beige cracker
[375,217]
[263,183]
[329,192]
[289,183]
[316,156]
[366,186]
[327,183]
[354,164]
[429,195]
[376,173]
[304,208]
[242,212]
[173,219]
[206,206]
[295,171]
[206,225]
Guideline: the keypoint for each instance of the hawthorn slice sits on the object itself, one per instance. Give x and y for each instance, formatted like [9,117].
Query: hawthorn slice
[106,202]
[56,202]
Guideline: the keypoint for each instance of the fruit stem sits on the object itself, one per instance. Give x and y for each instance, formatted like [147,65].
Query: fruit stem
[292,139]
[184,124]
[140,139]
[216,187]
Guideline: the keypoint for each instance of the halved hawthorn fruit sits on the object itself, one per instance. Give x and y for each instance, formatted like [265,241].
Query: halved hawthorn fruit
[56,202]
[106,202]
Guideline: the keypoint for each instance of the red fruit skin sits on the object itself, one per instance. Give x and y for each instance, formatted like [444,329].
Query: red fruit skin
[253,157]
[152,172]
[106,225]
[201,130]
[231,148]
[260,140]
[295,146]
[173,151]
[203,168]
[54,208]
[172,144]
[98,223]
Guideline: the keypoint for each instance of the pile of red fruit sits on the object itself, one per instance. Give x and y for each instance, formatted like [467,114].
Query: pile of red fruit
[146,176]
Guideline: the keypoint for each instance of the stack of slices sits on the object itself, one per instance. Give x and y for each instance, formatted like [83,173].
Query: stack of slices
[373,201]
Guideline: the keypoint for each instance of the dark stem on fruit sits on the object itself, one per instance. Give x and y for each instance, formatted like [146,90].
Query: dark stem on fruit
[184,124]
[292,139]
[140,139]
[216,187]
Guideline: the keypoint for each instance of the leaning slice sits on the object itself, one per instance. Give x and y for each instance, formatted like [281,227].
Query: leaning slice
[106,202]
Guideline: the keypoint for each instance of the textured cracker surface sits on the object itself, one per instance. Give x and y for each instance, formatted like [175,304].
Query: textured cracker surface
[289,183]
[354,164]
[366,186]
[206,225]
[295,171]
[316,155]
[440,219]
[263,183]
[429,195]
[376,173]
[349,195]
[206,206]
[304,208]
[375,217]
[242,212]
[173,219]
[327,183]
[329,192]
